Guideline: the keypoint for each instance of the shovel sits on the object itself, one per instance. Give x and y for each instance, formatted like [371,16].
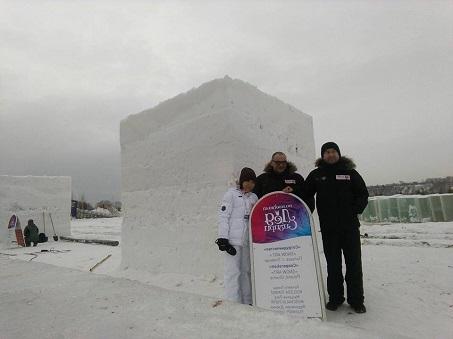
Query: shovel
[55,237]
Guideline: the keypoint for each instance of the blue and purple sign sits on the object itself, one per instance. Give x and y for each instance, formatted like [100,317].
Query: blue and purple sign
[12,222]
[280,216]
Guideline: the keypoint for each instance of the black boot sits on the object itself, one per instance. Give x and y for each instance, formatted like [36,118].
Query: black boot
[359,308]
[333,306]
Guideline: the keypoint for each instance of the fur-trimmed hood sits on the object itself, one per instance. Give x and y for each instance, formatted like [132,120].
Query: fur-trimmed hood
[343,163]
[290,168]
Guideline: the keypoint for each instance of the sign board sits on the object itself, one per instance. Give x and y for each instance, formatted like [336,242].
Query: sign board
[286,273]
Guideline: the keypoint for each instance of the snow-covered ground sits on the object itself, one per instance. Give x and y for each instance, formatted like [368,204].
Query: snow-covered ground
[76,255]
[44,301]
[408,280]
[431,234]
[104,228]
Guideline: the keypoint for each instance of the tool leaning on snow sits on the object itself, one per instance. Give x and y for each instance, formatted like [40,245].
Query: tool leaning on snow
[42,236]
[55,237]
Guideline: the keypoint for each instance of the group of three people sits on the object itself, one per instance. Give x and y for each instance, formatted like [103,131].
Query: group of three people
[341,195]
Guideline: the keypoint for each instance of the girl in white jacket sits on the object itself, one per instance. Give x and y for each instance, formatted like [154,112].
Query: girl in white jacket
[233,238]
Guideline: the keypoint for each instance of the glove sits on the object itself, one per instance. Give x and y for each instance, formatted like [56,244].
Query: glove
[224,245]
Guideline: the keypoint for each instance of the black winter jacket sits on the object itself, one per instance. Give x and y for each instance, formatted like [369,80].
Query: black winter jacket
[271,181]
[341,194]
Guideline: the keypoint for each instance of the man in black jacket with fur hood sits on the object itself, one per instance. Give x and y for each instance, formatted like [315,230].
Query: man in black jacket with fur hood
[341,195]
[280,175]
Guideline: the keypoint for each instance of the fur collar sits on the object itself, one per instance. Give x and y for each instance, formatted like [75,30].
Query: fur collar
[344,163]
[291,168]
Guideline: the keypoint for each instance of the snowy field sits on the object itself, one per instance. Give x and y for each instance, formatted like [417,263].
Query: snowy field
[408,280]
[105,229]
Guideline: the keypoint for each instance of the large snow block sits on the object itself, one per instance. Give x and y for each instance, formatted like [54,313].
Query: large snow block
[412,208]
[372,211]
[179,158]
[394,214]
[425,209]
[403,205]
[29,196]
[384,209]
[436,208]
[447,206]
[409,209]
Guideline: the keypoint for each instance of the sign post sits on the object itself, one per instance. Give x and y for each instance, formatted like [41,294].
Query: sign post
[286,272]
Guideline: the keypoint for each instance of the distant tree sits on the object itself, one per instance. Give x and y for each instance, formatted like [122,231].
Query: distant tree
[104,204]
[84,205]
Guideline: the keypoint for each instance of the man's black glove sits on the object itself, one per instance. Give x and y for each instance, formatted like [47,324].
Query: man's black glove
[224,245]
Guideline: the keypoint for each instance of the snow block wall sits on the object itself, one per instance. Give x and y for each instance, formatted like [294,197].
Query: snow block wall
[28,197]
[409,208]
[180,157]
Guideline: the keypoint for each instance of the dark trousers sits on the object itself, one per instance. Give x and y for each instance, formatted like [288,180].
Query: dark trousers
[28,243]
[348,242]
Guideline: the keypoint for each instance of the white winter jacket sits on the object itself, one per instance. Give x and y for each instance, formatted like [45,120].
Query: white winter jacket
[234,214]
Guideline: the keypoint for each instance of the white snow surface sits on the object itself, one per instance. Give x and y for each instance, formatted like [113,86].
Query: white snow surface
[180,157]
[102,228]
[408,284]
[28,197]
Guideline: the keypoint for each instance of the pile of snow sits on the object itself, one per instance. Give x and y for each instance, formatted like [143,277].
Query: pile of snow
[28,197]
[180,157]
[98,212]
[103,212]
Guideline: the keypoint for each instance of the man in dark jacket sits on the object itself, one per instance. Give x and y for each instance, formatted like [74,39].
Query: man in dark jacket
[341,195]
[31,234]
[280,175]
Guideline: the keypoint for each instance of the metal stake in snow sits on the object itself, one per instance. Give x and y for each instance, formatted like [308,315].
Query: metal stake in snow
[92,268]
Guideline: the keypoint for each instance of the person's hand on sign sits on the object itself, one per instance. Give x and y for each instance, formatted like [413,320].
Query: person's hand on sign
[288,189]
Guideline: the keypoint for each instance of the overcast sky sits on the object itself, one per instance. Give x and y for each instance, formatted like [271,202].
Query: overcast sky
[376,76]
